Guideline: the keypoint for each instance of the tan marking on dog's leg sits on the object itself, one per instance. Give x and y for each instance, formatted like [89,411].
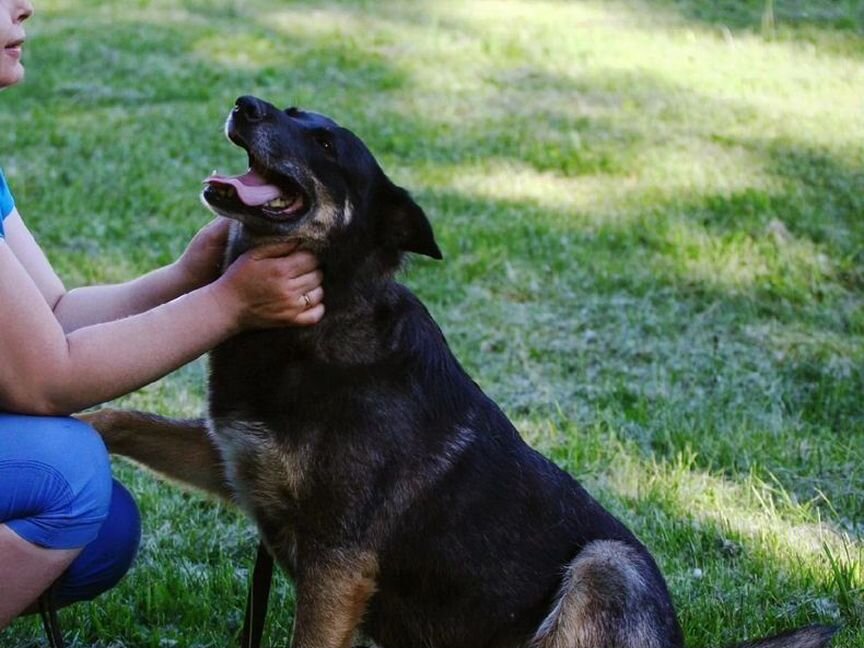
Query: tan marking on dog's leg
[181,450]
[598,605]
[332,599]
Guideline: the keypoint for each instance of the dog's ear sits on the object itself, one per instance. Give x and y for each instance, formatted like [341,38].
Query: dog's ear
[403,223]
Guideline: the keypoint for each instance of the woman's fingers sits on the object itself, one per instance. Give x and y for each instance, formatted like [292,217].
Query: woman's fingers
[305,283]
[311,298]
[276,285]
[310,316]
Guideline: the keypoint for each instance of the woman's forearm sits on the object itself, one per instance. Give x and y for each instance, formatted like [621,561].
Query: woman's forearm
[46,370]
[108,360]
[103,361]
[90,305]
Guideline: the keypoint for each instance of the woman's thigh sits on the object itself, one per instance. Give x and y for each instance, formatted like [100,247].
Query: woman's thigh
[55,480]
[56,491]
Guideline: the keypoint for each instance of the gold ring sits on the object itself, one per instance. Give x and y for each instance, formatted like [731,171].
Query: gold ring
[307,300]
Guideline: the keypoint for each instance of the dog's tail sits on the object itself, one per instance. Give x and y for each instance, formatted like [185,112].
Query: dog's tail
[810,637]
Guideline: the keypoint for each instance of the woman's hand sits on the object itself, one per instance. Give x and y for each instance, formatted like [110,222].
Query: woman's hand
[272,285]
[202,260]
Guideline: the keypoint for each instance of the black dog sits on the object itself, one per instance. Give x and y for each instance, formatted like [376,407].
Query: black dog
[398,496]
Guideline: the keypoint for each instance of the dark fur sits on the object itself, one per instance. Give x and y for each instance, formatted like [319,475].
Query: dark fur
[400,497]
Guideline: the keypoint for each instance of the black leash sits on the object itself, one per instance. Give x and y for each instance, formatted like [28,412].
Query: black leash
[48,612]
[256,603]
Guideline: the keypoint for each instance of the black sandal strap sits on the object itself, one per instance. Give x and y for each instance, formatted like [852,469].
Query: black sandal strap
[50,620]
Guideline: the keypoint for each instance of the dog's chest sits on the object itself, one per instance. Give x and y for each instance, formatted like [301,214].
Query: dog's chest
[263,473]
[252,374]
[270,414]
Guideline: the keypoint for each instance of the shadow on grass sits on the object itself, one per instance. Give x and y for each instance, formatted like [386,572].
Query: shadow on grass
[845,16]
[836,27]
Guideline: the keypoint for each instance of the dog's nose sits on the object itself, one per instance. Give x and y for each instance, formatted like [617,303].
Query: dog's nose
[252,108]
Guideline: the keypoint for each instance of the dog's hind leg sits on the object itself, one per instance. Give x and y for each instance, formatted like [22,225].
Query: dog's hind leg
[609,598]
[181,450]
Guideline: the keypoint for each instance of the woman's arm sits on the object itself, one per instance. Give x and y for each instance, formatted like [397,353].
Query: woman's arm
[93,304]
[90,305]
[46,371]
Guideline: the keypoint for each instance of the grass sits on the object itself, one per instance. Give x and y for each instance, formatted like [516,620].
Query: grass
[651,215]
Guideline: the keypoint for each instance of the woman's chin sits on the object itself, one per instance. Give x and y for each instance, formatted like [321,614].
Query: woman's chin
[11,75]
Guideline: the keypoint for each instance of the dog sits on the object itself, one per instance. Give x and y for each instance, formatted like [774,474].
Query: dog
[401,500]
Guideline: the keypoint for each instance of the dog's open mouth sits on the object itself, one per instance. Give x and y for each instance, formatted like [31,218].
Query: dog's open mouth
[287,201]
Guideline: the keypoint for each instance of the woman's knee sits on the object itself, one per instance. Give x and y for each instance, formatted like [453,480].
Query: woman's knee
[89,476]
[103,562]
[94,483]
[63,474]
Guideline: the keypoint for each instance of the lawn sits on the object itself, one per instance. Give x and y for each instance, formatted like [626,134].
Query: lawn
[652,217]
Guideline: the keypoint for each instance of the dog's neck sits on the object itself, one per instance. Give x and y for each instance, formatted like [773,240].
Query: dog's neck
[352,274]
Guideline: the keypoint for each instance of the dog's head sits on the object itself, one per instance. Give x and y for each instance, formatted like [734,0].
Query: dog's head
[311,180]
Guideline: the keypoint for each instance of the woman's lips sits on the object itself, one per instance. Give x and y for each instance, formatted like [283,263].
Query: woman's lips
[13,49]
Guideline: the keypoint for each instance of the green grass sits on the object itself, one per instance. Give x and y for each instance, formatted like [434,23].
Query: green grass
[652,216]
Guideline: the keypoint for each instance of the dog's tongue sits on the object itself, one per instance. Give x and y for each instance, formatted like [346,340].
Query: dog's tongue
[251,188]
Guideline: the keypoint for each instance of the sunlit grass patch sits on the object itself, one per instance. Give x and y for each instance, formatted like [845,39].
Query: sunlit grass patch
[769,261]
[731,544]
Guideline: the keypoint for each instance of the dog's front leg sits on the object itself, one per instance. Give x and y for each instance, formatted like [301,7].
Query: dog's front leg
[332,596]
[181,450]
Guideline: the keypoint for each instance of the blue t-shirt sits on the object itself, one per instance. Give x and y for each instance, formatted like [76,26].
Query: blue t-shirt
[7,203]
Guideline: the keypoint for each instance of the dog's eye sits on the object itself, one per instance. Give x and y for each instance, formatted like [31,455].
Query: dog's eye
[325,143]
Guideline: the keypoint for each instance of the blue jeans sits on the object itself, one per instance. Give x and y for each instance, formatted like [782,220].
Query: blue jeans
[56,491]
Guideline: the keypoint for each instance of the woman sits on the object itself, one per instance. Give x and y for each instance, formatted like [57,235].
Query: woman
[62,517]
